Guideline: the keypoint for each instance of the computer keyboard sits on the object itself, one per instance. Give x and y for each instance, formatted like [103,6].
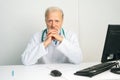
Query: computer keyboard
[96,69]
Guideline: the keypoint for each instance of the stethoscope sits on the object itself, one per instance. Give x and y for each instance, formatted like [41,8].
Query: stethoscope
[45,32]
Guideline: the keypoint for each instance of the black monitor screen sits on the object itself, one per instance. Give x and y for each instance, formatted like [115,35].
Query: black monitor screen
[111,49]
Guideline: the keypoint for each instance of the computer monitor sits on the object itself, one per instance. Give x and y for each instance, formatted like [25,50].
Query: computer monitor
[111,51]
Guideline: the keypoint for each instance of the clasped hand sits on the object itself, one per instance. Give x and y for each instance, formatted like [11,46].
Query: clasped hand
[52,34]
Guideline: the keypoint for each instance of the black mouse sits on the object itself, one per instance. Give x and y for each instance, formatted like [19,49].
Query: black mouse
[55,73]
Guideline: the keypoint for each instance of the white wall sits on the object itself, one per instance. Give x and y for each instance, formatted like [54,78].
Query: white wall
[94,17]
[19,19]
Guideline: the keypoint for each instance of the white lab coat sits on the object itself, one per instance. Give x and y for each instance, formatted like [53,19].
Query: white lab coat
[68,51]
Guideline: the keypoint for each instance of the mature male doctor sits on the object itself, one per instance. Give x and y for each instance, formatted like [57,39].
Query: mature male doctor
[54,44]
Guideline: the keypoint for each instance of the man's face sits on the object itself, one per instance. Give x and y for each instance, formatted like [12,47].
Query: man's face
[54,20]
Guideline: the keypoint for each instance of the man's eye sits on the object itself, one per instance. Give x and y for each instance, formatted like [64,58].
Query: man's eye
[56,20]
[49,21]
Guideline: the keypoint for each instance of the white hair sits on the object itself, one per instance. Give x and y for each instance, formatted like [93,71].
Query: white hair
[52,9]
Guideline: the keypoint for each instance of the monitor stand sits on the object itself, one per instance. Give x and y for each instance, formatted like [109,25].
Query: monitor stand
[116,69]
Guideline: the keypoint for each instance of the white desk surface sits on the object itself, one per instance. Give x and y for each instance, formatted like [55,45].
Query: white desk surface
[42,72]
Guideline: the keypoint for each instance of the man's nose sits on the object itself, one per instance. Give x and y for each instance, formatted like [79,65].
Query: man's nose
[53,24]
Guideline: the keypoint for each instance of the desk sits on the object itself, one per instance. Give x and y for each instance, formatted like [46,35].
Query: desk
[42,72]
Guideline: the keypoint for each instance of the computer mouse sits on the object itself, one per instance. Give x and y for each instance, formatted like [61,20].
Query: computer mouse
[55,73]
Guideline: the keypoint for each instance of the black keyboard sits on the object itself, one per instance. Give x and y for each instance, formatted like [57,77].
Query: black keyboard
[96,69]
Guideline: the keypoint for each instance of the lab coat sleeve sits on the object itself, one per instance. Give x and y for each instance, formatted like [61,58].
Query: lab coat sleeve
[70,48]
[34,51]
